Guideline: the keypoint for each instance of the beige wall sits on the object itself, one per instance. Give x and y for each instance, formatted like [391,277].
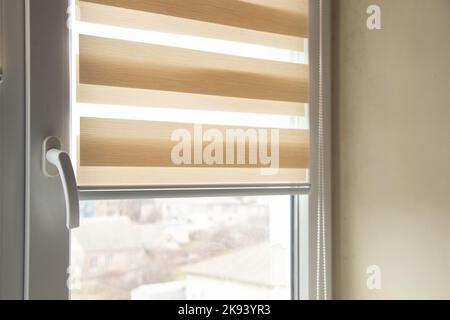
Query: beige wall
[392,149]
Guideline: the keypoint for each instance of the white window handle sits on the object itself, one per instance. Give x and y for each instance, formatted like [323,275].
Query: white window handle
[56,162]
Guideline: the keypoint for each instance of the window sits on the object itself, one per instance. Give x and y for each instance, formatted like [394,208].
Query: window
[93,262]
[238,77]
[188,248]
[109,261]
[191,131]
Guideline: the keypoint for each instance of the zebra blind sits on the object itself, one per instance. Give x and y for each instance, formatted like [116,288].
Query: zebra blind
[188,92]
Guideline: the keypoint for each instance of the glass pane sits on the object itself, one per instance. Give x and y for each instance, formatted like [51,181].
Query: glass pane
[197,248]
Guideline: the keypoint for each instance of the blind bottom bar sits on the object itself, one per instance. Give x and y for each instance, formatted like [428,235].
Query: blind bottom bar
[189,192]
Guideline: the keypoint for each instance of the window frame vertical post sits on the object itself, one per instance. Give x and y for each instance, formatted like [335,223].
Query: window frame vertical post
[12,148]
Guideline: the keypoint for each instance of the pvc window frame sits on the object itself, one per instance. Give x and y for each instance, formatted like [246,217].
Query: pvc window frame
[47,241]
[12,149]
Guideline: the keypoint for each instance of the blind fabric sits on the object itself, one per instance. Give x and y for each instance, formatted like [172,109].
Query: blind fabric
[134,65]
[111,142]
[280,17]
[116,72]
[277,23]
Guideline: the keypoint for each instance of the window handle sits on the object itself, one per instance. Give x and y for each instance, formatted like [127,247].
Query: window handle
[57,162]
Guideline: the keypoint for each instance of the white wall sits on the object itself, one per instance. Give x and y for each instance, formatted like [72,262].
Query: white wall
[392,149]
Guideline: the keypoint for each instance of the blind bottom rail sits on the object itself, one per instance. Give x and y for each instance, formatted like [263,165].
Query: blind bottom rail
[118,193]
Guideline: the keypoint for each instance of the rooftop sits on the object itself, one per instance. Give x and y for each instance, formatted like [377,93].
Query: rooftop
[254,265]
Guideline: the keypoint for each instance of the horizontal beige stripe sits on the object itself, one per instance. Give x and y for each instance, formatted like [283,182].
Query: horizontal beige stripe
[165,99]
[135,52]
[131,143]
[126,18]
[128,64]
[284,17]
[165,176]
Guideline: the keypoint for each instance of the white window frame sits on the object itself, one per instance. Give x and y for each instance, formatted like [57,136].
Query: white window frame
[47,240]
[12,148]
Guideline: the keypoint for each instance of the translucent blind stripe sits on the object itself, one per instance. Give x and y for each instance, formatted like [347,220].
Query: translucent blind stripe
[109,95]
[171,176]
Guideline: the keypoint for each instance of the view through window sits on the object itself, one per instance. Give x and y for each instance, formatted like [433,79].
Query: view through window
[198,248]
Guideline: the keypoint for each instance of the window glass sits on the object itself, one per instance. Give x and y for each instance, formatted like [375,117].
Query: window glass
[198,248]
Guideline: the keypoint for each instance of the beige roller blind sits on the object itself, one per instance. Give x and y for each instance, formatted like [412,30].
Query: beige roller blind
[177,92]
